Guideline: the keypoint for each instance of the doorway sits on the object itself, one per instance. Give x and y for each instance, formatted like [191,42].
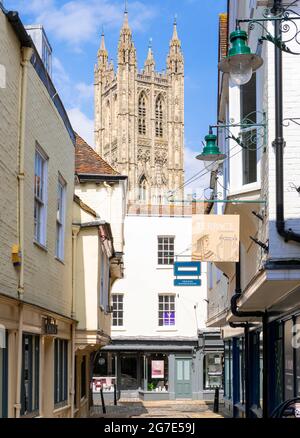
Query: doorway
[183,378]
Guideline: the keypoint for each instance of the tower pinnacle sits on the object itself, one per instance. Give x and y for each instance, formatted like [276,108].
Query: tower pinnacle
[175,33]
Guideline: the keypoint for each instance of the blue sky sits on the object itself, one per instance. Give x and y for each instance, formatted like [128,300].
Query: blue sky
[74,28]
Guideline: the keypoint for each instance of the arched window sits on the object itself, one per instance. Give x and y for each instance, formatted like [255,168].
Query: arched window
[159,117]
[107,122]
[143,189]
[142,114]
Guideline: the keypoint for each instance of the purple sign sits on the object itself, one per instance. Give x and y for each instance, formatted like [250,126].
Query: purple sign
[169,318]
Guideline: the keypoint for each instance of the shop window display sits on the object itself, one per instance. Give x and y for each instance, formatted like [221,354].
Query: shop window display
[157,373]
[104,372]
[213,370]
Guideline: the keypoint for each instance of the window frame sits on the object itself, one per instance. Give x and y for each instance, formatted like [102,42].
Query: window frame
[83,378]
[4,376]
[249,174]
[33,376]
[117,310]
[166,303]
[61,371]
[159,116]
[60,222]
[104,281]
[40,196]
[142,114]
[165,255]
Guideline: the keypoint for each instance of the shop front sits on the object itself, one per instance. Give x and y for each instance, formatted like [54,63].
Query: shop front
[162,370]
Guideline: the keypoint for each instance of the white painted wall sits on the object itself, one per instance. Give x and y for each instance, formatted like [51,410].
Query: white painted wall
[144,280]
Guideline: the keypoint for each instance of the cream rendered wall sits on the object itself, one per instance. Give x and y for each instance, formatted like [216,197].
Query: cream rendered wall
[88,273]
[144,280]
[109,203]
[87,279]
[9,104]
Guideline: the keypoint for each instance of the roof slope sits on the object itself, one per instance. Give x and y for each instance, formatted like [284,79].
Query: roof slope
[88,162]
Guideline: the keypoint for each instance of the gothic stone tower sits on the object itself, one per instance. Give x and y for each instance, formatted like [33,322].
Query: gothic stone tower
[139,118]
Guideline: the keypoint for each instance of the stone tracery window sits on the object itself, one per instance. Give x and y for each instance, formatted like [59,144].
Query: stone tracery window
[159,117]
[142,114]
[143,189]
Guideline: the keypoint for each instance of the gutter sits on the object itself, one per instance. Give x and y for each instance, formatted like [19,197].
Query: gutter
[83,177]
[14,19]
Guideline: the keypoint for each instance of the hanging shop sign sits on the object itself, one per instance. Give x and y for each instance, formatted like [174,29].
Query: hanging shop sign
[216,238]
[157,369]
[184,271]
[50,326]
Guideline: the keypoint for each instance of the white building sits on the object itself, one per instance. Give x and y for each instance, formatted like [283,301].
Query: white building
[158,324]
[259,297]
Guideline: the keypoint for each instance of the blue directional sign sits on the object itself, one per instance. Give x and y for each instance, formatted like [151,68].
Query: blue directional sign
[187,282]
[187,269]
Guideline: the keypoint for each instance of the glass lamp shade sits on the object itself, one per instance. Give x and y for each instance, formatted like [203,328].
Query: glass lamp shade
[240,73]
[240,62]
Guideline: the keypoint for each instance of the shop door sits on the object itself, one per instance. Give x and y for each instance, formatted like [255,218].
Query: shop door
[183,378]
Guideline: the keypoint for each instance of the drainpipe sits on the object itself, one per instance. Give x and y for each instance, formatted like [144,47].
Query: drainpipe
[26,53]
[75,231]
[279,142]
[26,56]
[245,326]
[259,314]
[17,404]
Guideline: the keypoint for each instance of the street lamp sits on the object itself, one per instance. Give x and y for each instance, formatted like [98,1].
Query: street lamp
[211,151]
[240,62]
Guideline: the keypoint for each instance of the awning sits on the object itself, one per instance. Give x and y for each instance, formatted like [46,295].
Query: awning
[148,347]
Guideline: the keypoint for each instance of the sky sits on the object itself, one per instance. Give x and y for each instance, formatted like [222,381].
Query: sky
[74,28]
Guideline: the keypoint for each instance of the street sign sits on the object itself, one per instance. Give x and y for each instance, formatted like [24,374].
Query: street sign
[187,282]
[187,269]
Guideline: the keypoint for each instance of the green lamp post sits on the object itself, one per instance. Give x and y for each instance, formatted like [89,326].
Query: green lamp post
[211,151]
[240,62]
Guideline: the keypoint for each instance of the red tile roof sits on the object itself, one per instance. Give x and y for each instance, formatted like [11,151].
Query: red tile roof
[88,162]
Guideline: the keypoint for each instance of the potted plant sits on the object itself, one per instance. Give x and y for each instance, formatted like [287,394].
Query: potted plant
[151,386]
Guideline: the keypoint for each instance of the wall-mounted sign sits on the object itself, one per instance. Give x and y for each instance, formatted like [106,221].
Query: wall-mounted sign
[157,369]
[216,238]
[187,270]
[50,326]
[187,282]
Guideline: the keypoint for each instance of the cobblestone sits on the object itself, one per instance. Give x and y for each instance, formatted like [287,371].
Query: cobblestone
[160,409]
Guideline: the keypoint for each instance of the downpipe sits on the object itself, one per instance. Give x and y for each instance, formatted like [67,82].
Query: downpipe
[252,314]
[279,142]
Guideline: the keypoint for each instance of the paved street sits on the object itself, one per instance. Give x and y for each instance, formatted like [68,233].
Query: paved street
[157,409]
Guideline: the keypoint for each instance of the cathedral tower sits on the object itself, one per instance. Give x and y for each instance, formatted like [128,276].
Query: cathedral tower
[139,118]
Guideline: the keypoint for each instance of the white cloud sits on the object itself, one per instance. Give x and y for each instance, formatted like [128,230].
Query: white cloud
[82,125]
[72,93]
[85,91]
[76,22]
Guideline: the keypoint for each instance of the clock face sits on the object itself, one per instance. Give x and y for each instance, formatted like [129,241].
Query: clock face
[101,361]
